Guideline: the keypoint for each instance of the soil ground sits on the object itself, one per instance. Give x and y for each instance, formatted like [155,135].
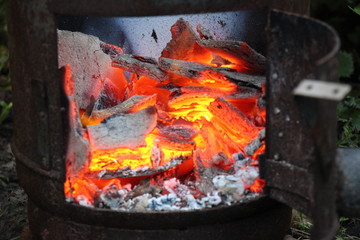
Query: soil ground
[12,198]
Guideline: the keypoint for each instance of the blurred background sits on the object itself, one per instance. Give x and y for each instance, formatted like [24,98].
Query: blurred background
[343,15]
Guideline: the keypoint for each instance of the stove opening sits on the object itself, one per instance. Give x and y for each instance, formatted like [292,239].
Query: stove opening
[165,113]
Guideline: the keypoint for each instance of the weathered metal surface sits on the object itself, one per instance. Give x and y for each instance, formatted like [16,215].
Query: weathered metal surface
[40,129]
[322,90]
[271,223]
[47,195]
[348,165]
[148,8]
[294,6]
[36,88]
[301,132]
[163,7]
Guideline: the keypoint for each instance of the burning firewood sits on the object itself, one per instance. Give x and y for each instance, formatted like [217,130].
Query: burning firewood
[144,187]
[205,90]
[203,119]
[89,64]
[125,130]
[78,149]
[111,49]
[194,70]
[220,61]
[255,144]
[183,44]
[135,102]
[204,33]
[175,167]
[221,160]
[228,117]
[140,65]
[110,95]
[205,174]
[253,61]
[181,132]
[176,144]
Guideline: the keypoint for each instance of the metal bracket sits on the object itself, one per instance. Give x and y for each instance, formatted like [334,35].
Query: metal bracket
[321,89]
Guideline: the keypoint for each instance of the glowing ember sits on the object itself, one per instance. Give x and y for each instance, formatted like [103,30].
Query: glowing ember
[178,119]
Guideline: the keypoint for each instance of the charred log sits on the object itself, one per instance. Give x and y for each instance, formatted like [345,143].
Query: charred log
[197,71]
[135,102]
[140,65]
[125,130]
[184,43]
[253,61]
[204,33]
[225,115]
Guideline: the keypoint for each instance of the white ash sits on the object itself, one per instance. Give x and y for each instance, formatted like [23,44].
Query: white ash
[84,201]
[227,189]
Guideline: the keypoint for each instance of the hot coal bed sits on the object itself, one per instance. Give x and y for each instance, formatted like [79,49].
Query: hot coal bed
[183,132]
[157,143]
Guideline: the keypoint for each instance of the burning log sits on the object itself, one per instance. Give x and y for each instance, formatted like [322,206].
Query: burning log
[184,43]
[140,65]
[197,71]
[235,51]
[89,64]
[205,90]
[111,50]
[110,95]
[170,169]
[220,61]
[221,160]
[255,144]
[125,130]
[144,187]
[204,174]
[135,102]
[180,132]
[245,92]
[78,149]
[204,33]
[176,144]
[228,117]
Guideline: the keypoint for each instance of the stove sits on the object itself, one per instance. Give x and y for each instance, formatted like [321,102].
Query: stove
[66,117]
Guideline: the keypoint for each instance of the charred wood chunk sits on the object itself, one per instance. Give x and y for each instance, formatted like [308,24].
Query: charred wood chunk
[204,33]
[144,187]
[197,71]
[124,130]
[220,61]
[234,51]
[233,120]
[183,44]
[111,50]
[89,64]
[176,144]
[205,174]
[110,95]
[221,160]
[78,149]
[180,132]
[136,102]
[256,143]
[140,65]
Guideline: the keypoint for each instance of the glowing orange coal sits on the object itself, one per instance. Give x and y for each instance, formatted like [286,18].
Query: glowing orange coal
[195,105]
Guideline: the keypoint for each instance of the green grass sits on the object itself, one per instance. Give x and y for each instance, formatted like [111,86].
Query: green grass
[301,226]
